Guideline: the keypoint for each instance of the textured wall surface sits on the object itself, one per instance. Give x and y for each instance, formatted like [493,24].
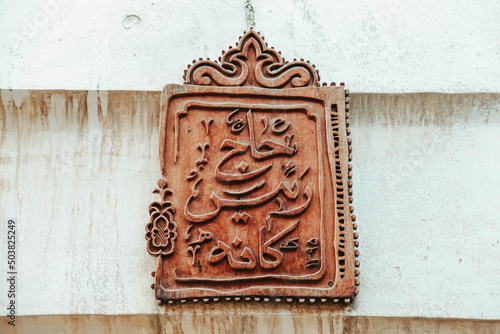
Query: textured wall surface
[373,46]
[77,169]
[198,321]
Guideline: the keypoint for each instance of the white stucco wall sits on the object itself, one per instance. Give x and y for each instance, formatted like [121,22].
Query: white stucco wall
[426,166]
[76,175]
[373,46]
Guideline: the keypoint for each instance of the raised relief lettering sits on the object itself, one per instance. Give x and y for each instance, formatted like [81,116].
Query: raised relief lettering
[303,173]
[264,123]
[221,251]
[237,149]
[279,125]
[236,242]
[290,244]
[206,123]
[289,169]
[202,147]
[237,124]
[187,235]
[221,203]
[313,244]
[258,172]
[203,236]
[240,217]
[192,175]
[266,251]
[193,253]
[268,148]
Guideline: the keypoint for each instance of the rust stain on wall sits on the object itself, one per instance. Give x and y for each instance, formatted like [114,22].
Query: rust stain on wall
[105,183]
[244,323]
[421,109]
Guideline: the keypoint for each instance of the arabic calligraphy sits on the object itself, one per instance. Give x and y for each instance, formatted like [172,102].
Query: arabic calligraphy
[250,169]
[260,181]
[313,244]
[194,246]
[202,147]
[206,123]
[221,251]
[290,244]
[266,249]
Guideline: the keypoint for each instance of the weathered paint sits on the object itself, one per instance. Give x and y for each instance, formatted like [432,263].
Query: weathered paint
[244,324]
[77,169]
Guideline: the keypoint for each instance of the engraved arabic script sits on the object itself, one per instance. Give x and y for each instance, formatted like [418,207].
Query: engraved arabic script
[250,174]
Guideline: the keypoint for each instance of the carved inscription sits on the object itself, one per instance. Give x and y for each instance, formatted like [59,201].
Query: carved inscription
[258,192]
[201,162]
[249,187]
[206,123]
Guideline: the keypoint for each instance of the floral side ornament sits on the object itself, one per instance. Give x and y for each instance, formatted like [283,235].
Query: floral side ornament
[161,231]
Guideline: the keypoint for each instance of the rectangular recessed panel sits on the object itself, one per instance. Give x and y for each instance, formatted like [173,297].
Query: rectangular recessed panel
[254,194]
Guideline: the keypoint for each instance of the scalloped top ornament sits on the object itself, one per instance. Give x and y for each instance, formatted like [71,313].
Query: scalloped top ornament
[252,63]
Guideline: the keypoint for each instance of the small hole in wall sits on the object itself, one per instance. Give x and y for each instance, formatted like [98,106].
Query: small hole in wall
[130,20]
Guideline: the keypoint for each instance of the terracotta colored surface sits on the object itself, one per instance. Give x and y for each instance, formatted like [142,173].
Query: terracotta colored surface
[256,189]
[298,323]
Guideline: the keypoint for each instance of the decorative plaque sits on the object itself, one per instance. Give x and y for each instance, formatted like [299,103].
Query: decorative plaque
[256,188]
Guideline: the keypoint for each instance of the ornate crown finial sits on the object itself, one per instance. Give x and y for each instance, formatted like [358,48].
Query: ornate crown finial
[252,63]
